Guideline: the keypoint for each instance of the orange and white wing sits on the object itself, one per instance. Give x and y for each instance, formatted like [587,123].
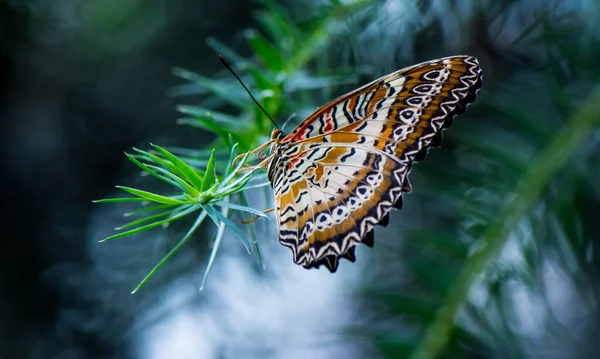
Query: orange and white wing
[345,166]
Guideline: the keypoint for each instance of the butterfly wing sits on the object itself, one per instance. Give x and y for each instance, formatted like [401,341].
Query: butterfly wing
[343,168]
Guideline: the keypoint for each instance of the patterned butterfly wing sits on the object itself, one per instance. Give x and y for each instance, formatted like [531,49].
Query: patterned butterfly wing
[341,170]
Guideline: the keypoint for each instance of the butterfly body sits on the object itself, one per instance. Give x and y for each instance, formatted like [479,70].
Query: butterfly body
[342,169]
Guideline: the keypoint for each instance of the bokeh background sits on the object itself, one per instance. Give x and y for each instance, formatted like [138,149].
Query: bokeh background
[516,179]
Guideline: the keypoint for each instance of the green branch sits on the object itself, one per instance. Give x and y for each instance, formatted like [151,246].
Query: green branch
[532,184]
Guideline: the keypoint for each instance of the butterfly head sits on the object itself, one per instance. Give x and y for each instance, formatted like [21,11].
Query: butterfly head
[277,135]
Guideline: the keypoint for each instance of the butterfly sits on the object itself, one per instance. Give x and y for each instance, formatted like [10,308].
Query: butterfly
[342,169]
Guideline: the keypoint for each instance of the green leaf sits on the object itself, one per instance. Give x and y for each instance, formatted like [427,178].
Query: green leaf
[189,233]
[119,199]
[241,208]
[237,167]
[143,220]
[277,22]
[301,81]
[237,184]
[215,249]
[191,152]
[252,229]
[269,56]
[149,170]
[188,172]
[267,82]
[210,176]
[226,51]
[211,214]
[151,196]
[266,184]
[189,209]
[206,123]
[229,93]
[148,209]
[232,156]
[216,116]
[150,157]
[177,181]
[218,217]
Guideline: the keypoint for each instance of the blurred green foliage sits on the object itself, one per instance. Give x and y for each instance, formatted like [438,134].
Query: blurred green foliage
[511,192]
[510,202]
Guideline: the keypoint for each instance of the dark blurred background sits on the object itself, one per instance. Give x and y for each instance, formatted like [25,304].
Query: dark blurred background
[83,81]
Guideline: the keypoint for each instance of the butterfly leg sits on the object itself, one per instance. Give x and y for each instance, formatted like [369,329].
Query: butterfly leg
[260,148]
[251,168]
[256,217]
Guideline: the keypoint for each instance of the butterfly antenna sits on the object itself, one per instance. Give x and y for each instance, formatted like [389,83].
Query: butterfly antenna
[245,88]
[291,117]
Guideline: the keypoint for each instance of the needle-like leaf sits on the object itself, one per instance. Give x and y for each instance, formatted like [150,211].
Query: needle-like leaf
[189,233]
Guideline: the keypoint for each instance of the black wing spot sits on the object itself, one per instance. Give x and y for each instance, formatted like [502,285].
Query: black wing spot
[415,101]
[407,114]
[432,75]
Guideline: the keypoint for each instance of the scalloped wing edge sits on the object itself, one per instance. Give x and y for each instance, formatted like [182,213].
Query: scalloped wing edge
[470,90]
